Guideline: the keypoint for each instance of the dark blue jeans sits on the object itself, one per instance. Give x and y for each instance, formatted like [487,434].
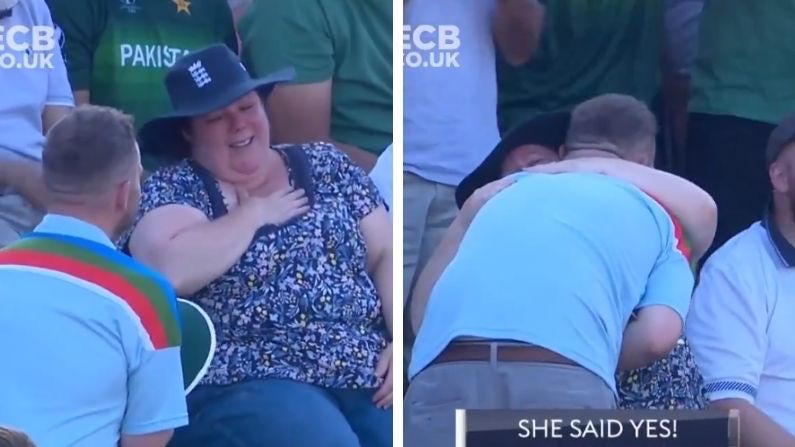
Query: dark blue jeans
[272,412]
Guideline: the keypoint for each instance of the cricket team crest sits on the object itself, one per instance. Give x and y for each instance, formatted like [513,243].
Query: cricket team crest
[131,6]
[182,6]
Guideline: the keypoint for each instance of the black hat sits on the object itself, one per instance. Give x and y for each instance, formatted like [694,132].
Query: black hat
[201,82]
[547,130]
[781,137]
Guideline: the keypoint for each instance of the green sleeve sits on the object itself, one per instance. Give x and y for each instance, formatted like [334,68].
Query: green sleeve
[281,33]
[226,26]
[82,22]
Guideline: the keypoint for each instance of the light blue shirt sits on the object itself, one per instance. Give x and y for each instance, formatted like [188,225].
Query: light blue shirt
[559,261]
[76,368]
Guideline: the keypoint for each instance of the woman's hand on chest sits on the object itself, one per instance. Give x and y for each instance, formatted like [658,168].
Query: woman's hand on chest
[275,209]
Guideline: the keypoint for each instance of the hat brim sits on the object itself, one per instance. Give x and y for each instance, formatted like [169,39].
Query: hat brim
[198,343]
[162,136]
[490,169]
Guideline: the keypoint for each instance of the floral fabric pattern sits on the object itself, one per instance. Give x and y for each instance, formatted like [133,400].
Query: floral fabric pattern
[672,383]
[299,304]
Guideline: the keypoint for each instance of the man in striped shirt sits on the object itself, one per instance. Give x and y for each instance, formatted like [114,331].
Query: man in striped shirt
[90,339]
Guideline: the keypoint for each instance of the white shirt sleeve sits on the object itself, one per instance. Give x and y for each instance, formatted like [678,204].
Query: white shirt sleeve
[382,176]
[727,327]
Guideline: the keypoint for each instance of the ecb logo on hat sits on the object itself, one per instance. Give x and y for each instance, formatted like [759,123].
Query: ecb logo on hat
[129,6]
[199,74]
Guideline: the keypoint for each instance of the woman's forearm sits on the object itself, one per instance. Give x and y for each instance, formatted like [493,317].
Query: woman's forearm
[382,277]
[377,232]
[198,255]
[689,204]
[693,206]
[441,257]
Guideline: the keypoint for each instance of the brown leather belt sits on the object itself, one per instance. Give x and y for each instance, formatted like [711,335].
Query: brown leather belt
[481,352]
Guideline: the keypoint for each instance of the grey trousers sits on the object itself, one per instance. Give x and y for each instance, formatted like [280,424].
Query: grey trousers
[435,394]
[17,217]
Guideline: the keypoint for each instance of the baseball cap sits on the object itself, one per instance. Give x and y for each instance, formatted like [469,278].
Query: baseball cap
[781,137]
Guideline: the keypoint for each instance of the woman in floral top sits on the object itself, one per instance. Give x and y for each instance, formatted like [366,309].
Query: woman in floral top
[671,383]
[288,249]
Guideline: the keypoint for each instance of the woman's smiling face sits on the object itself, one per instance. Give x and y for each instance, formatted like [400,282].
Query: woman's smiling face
[528,155]
[232,142]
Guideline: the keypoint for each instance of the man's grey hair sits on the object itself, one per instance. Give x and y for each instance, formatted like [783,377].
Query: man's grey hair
[88,150]
[612,122]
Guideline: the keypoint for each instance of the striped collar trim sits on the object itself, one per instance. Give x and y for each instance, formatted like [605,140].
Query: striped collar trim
[783,248]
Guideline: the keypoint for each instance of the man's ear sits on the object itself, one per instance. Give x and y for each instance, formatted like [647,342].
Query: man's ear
[778,177]
[122,195]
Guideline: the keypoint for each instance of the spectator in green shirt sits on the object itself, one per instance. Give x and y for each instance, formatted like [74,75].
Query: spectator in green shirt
[743,84]
[118,52]
[342,54]
[587,48]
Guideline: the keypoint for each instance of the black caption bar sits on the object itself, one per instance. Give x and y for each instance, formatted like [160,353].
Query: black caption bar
[596,428]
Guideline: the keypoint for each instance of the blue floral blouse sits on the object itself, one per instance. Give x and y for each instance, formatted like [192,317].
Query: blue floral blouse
[671,383]
[299,304]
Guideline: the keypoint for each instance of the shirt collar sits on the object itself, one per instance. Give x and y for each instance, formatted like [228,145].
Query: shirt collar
[70,226]
[784,249]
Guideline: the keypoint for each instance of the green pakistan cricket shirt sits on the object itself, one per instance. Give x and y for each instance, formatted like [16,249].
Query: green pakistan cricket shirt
[121,50]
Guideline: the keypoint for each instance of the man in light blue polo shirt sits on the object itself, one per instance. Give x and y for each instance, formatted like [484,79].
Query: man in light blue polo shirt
[35,95]
[529,296]
[90,340]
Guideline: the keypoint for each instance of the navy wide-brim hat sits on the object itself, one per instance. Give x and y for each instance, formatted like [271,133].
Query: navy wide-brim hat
[201,82]
[547,130]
